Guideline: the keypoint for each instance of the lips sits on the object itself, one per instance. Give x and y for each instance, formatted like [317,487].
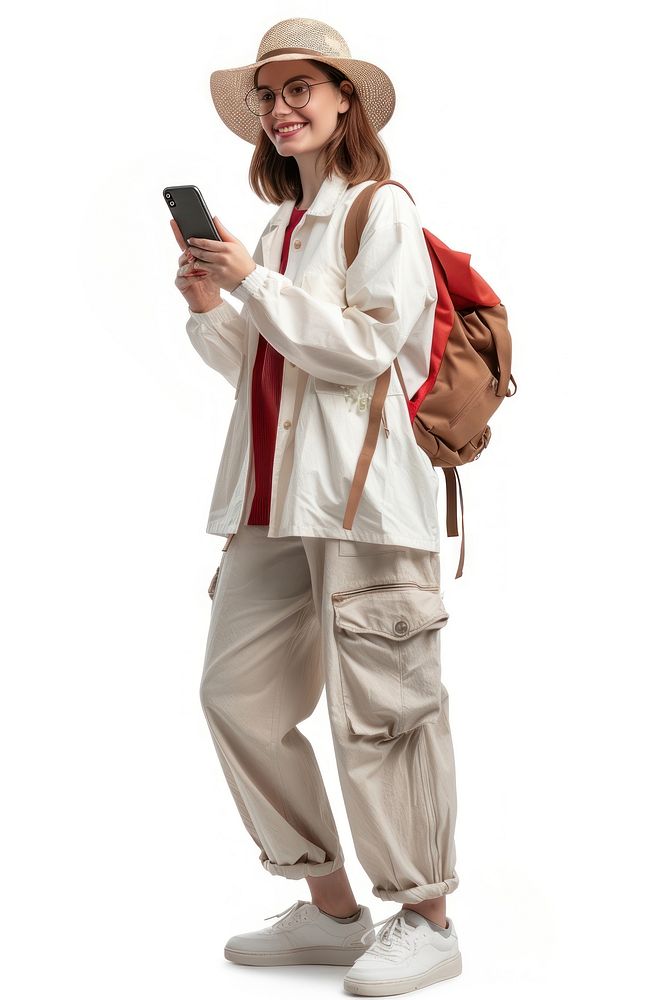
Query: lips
[284,135]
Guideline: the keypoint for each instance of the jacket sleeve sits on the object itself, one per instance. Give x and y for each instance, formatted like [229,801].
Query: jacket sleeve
[388,286]
[220,336]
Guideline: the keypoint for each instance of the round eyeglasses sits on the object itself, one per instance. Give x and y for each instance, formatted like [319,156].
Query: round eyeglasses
[296,93]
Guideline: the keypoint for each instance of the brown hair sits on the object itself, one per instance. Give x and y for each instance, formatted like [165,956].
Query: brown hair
[354,150]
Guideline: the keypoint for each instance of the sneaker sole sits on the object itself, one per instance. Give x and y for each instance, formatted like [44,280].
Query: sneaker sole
[317,955]
[388,987]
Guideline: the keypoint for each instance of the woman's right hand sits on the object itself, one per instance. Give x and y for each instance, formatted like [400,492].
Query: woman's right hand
[192,279]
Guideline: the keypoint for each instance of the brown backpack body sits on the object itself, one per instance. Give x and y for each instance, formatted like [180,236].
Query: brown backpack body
[469,375]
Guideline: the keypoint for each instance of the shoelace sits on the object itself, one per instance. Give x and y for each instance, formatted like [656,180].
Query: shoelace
[395,936]
[289,911]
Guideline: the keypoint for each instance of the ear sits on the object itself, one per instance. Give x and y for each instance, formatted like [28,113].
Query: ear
[346,88]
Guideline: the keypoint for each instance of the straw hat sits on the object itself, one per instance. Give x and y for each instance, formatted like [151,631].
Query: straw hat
[300,38]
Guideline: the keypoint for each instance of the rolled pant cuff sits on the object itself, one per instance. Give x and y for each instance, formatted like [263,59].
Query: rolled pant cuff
[302,868]
[419,892]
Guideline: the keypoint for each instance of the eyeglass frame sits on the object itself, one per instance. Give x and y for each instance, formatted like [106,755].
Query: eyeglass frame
[297,79]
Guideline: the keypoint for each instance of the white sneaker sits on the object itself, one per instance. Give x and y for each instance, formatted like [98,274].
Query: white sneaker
[306,936]
[407,953]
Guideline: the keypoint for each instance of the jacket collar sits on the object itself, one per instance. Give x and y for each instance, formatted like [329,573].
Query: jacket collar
[330,192]
[324,202]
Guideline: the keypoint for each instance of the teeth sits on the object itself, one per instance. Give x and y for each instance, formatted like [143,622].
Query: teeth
[290,128]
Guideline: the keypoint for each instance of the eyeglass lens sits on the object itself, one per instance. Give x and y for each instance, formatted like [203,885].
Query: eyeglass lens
[261,99]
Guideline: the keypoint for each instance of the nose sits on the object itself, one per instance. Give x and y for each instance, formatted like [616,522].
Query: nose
[279,97]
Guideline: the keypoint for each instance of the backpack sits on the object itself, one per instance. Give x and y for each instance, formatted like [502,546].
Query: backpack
[469,373]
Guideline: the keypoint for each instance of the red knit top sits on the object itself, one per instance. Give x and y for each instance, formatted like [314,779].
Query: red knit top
[267,380]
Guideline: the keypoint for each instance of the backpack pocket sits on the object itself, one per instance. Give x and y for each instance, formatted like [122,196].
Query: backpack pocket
[388,643]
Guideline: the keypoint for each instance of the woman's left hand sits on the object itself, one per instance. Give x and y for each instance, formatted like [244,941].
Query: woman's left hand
[227,263]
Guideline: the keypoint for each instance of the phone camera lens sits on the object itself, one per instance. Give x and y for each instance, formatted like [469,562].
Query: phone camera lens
[168,196]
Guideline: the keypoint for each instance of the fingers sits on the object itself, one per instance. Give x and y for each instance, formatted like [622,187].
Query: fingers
[187,257]
[178,234]
[224,233]
[199,243]
[206,255]
[191,270]
[210,250]
[189,266]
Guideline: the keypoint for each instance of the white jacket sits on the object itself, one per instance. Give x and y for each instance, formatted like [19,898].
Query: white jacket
[338,329]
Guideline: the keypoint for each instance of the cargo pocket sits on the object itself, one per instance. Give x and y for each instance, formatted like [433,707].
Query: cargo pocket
[356,550]
[388,644]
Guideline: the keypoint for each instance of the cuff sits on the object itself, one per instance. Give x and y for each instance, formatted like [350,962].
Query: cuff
[300,869]
[210,315]
[251,284]
[418,893]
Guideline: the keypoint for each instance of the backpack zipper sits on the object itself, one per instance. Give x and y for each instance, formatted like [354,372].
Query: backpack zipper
[486,383]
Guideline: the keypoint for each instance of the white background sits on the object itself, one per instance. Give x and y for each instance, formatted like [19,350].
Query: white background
[529,136]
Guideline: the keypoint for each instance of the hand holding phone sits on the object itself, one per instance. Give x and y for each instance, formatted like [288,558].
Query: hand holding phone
[190,211]
[215,260]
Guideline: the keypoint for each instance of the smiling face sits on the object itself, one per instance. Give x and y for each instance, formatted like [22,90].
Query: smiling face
[319,117]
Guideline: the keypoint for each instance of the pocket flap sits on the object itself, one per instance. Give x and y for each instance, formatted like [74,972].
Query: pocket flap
[397,612]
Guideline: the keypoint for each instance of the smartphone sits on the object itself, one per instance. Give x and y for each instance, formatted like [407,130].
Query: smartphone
[187,205]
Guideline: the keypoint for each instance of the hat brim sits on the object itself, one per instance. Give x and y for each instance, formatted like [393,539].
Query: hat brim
[230,86]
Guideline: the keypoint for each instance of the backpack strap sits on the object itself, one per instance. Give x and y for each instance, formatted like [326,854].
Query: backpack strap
[368,448]
[357,217]
[451,479]
[452,528]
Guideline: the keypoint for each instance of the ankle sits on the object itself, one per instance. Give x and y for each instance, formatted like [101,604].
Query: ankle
[337,909]
[431,913]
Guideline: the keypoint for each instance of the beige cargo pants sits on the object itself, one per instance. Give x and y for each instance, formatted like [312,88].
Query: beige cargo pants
[289,616]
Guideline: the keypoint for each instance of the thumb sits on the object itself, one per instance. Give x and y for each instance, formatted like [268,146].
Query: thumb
[224,233]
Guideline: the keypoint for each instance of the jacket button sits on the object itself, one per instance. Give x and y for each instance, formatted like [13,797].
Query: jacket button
[296,244]
[401,626]
[287,424]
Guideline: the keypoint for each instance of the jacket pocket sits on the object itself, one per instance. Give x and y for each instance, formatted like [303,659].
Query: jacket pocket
[322,387]
[388,644]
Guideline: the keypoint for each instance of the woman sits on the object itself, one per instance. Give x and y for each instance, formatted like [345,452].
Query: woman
[301,602]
